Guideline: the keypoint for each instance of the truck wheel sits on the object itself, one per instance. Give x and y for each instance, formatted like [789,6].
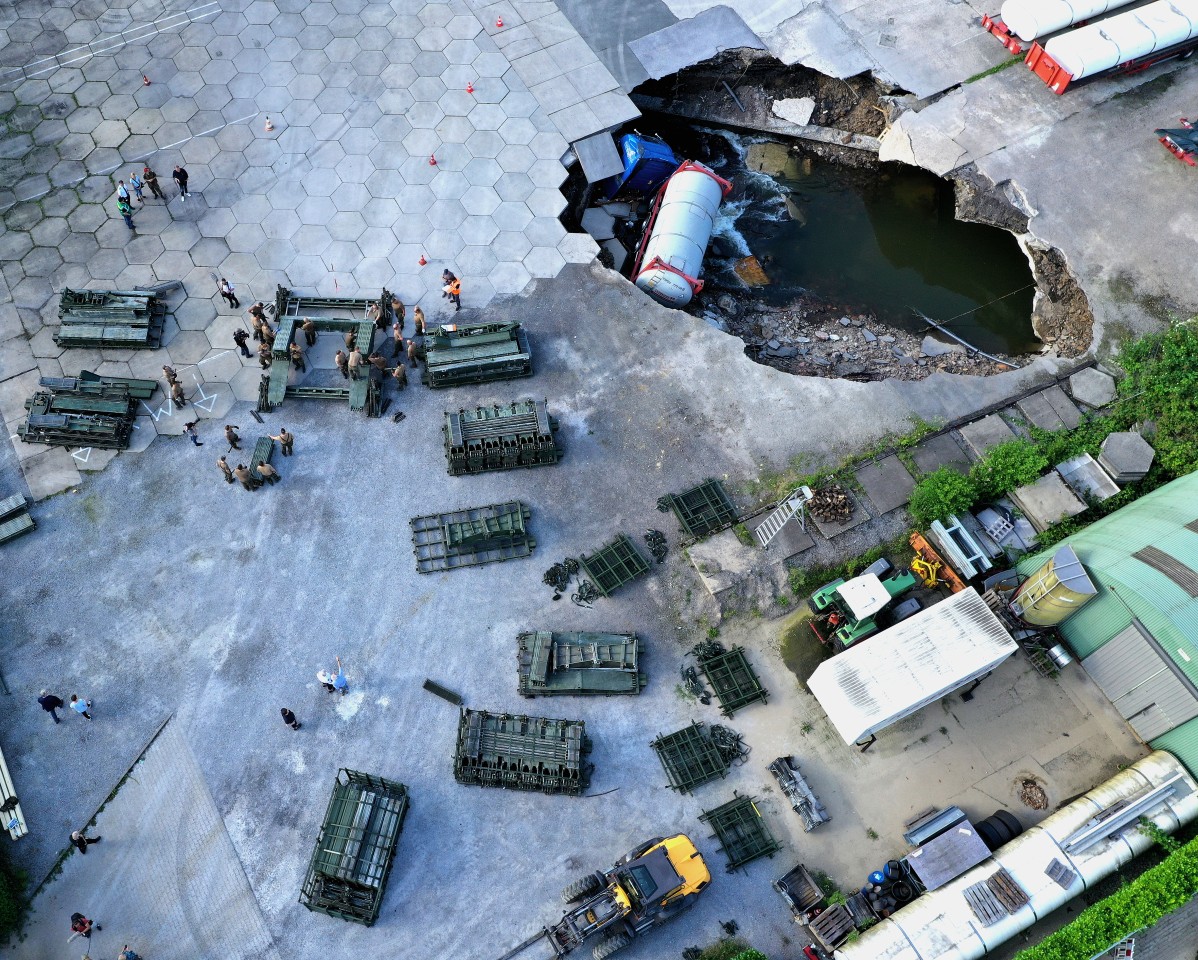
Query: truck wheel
[581,888]
[605,948]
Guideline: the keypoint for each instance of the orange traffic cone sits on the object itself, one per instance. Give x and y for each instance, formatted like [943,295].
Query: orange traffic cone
[145,81]
[469,87]
[432,160]
[422,261]
[499,24]
[269,126]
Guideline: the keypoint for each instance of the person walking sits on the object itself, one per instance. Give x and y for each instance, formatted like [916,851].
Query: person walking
[226,290]
[51,704]
[414,353]
[397,339]
[190,430]
[268,474]
[243,474]
[399,312]
[342,363]
[455,293]
[82,927]
[81,707]
[177,394]
[376,360]
[80,840]
[418,320]
[126,211]
[447,278]
[355,361]
[170,374]
[127,954]
[225,468]
[286,441]
[241,338]
[326,680]
[309,328]
[400,373]
[231,436]
[264,355]
[180,177]
[122,191]
[297,358]
[339,681]
[151,179]
[351,337]
[137,185]
[289,718]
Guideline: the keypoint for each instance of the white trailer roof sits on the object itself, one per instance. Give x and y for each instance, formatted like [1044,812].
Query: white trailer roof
[916,662]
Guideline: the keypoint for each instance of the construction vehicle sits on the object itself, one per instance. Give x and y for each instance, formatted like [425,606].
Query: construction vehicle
[848,610]
[651,884]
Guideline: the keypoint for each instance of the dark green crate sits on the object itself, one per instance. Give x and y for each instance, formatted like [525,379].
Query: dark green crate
[351,862]
[478,535]
[741,831]
[733,680]
[475,353]
[690,758]
[521,753]
[578,664]
[500,437]
[615,565]
[702,510]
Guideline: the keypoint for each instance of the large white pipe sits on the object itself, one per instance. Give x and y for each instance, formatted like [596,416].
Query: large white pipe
[1128,36]
[1029,19]
[673,256]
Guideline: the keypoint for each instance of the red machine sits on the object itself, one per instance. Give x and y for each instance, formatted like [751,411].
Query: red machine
[1182,142]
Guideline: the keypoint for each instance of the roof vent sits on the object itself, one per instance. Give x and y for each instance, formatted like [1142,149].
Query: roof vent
[1171,567]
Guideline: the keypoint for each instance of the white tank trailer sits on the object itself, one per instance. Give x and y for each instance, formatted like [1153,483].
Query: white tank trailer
[1031,19]
[670,259]
[1131,41]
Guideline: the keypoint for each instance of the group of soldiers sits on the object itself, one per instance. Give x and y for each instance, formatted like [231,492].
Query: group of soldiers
[262,474]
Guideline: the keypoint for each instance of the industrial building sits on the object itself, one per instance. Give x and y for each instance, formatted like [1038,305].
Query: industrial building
[1137,636]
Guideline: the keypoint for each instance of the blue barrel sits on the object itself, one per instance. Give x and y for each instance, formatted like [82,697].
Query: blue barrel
[877,878]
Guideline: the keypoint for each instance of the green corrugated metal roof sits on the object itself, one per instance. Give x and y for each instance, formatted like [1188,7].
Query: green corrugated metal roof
[1105,548]
[1182,743]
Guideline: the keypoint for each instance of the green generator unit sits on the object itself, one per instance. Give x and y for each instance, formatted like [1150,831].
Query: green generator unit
[352,860]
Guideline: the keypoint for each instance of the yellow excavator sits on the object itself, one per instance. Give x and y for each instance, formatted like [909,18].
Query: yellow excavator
[649,885]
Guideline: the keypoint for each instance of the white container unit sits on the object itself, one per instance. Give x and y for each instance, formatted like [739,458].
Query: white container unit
[1032,19]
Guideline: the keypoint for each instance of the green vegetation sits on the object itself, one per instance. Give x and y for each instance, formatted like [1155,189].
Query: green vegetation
[825,883]
[804,581]
[1134,906]
[730,948]
[940,493]
[12,898]
[997,68]
[871,833]
[1007,466]
[743,535]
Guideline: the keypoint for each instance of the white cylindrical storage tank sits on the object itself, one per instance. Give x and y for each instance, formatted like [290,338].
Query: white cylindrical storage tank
[1029,19]
[672,258]
[1129,36]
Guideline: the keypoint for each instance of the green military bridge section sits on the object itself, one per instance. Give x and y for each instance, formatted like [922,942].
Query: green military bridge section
[521,753]
[353,855]
[476,353]
[84,411]
[14,518]
[519,434]
[471,537]
[97,319]
[578,664]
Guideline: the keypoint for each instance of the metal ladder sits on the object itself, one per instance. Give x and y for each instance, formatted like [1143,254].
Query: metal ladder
[790,508]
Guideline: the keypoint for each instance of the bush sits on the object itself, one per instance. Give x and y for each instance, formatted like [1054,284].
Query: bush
[1162,386]
[751,955]
[1139,904]
[727,949]
[1006,467]
[940,493]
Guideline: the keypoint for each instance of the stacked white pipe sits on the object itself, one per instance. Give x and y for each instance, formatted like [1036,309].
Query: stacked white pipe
[1129,36]
[685,220]
[1030,19]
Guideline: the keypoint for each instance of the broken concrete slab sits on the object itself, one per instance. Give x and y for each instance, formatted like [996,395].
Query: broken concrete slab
[985,434]
[797,110]
[931,347]
[1050,409]
[1086,478]
[1047,501]
[818,39]
[694,40]
[940,451]
[598,223]
[599,157]
[1093,387]
[1126,456]
[887,483]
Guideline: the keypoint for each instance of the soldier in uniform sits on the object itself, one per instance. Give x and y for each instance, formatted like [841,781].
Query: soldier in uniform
[242,474]
[285,440]
[342,363]
[169,373]
[414,353]
[355,361]
[268,334]
[397,338]
[350,339]
[309,329]
[377,361]
[225,468]
[297,357]
[231,436]
[177,393]
[418,320]
[400,373]
[264,356]
[268,473]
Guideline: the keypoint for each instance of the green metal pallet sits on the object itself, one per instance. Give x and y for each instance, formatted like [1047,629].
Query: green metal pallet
[91,384]
[499,437]
[701,510]
[14,518]
[615,565]
[264,448]
[465,538]
[521,753]
[355,849]
[75,430]
[475,353]
[741,831]
[733,680]
[578,664]
[129,319]
[690,758]
[115,407]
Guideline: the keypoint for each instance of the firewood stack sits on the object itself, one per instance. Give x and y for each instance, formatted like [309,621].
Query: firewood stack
[831,504]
